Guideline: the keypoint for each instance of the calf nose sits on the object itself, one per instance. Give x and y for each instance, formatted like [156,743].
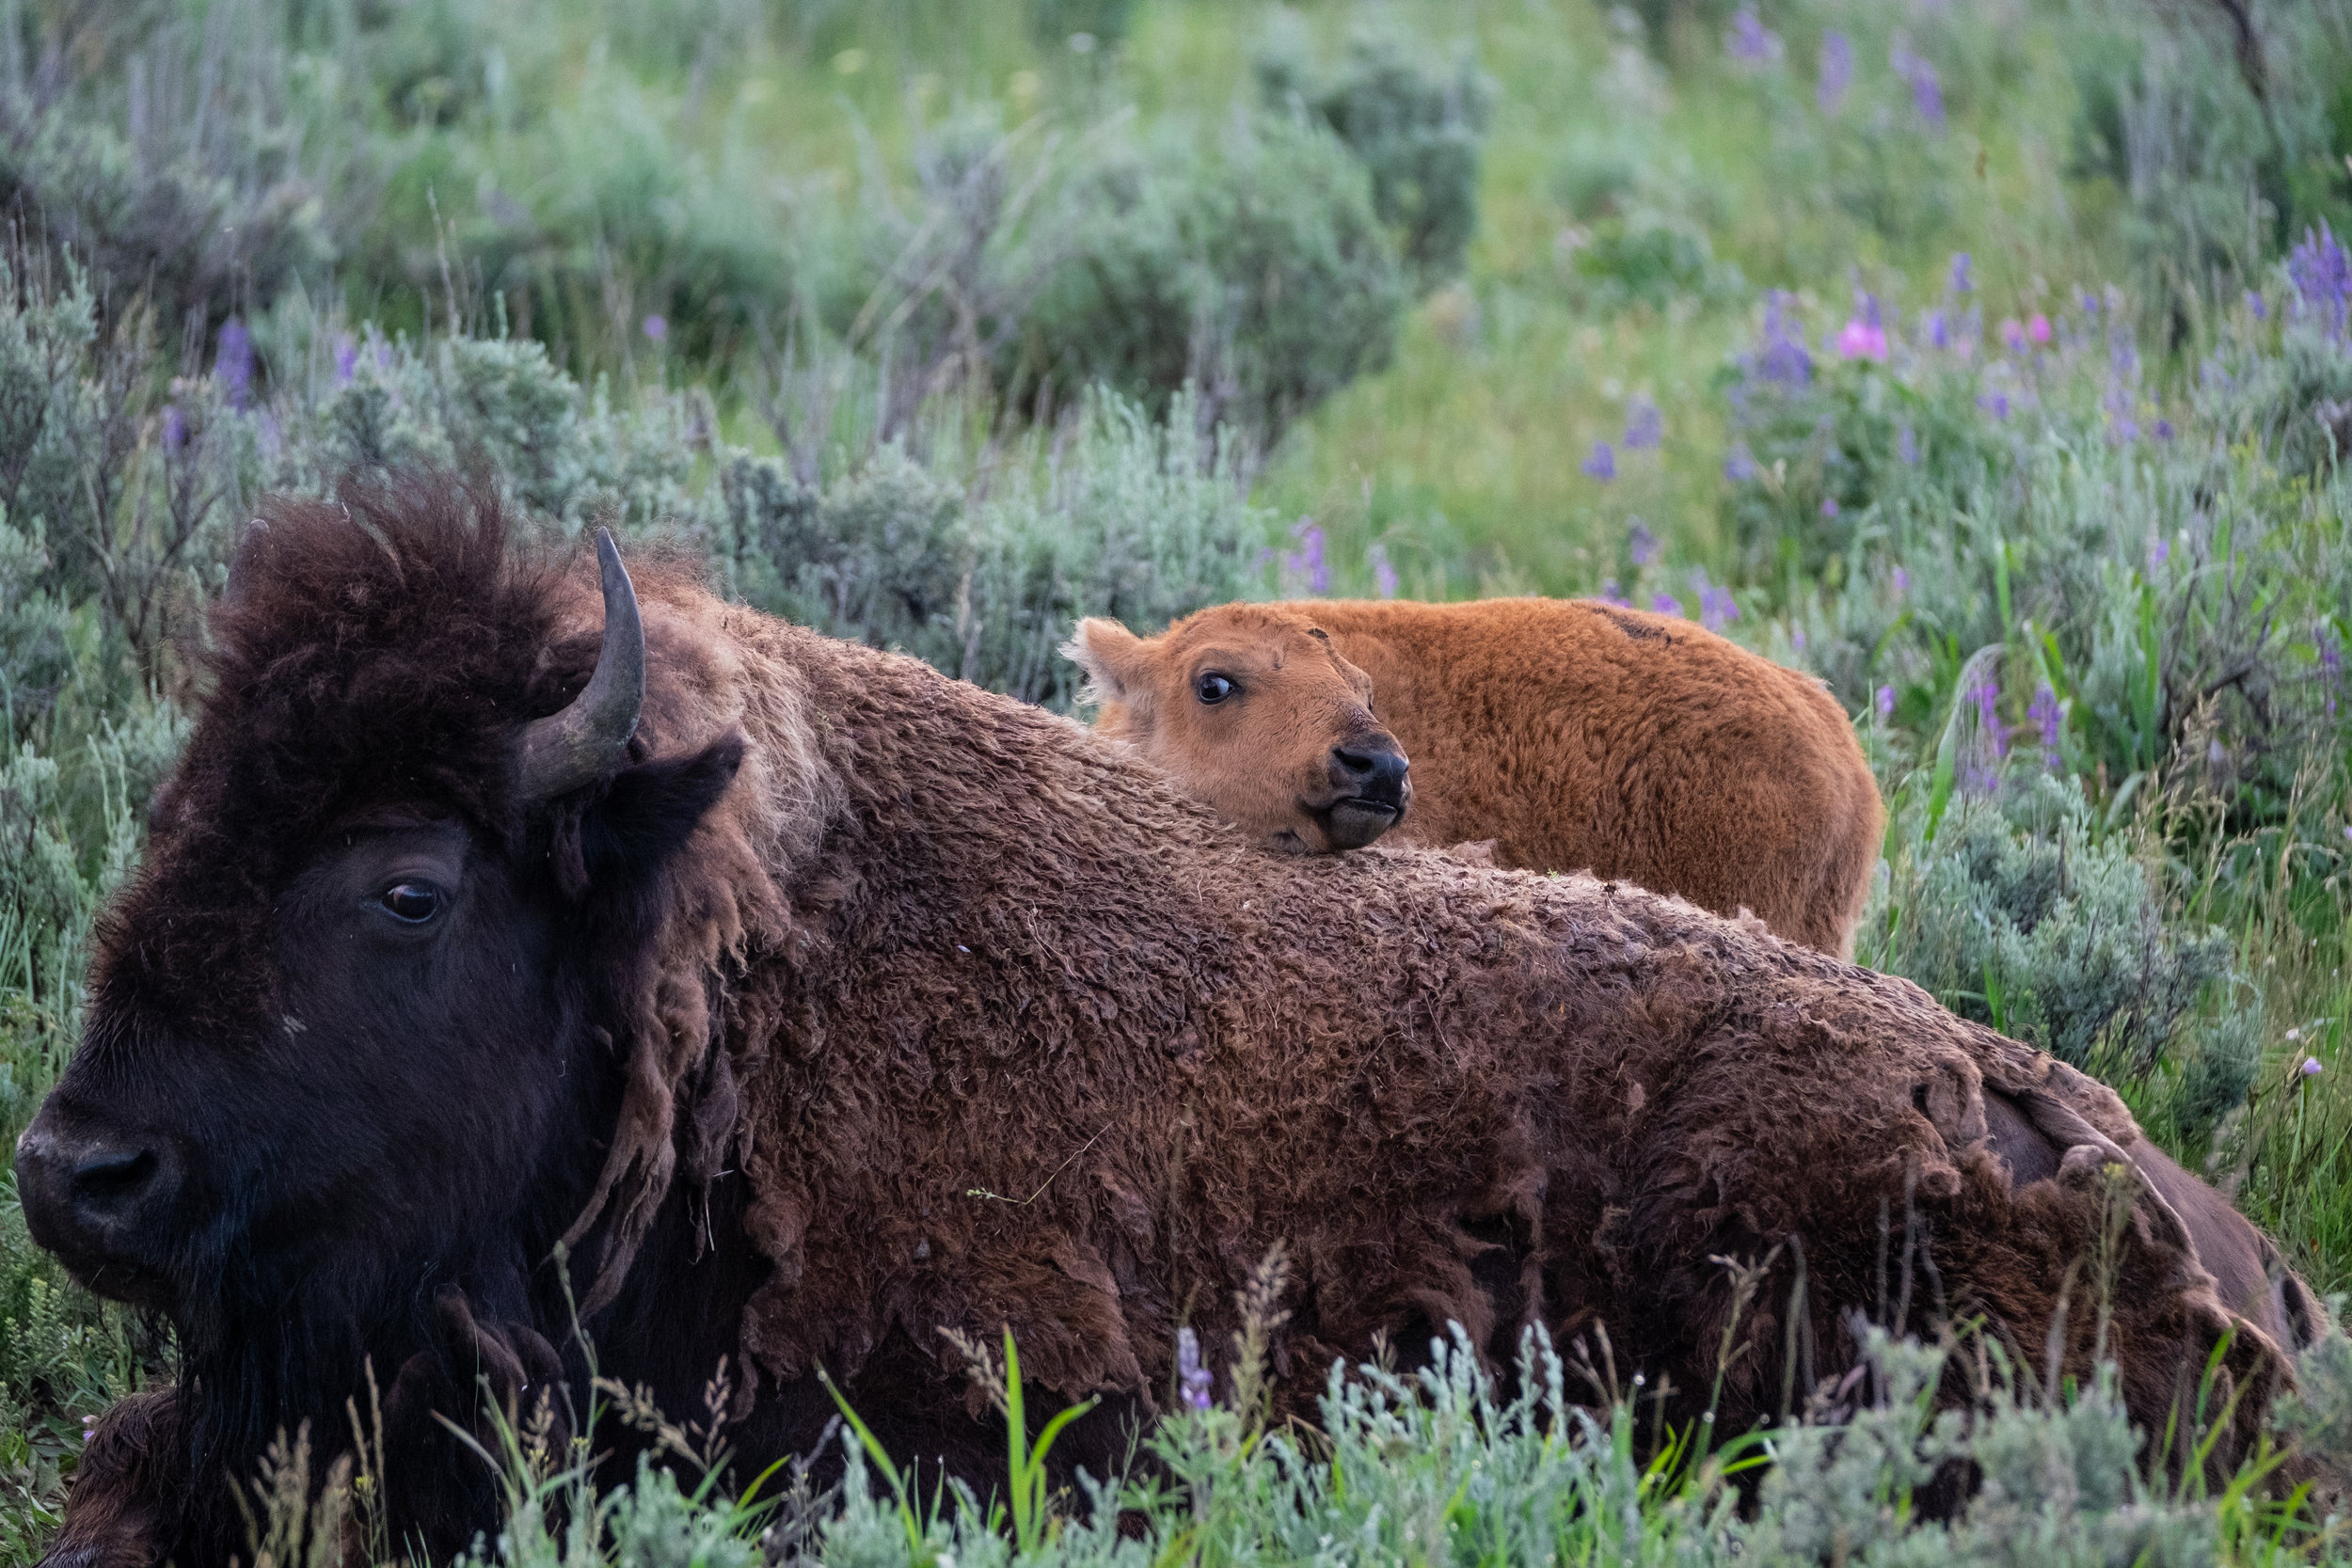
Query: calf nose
[1372,770]
[81,1194]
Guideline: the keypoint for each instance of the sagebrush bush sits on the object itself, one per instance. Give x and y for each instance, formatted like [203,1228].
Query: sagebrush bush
[192,163]
[1417,123]
[1255,270]
[2224,128]
[1127,518]
[2015,914]
[35,659]
[2295,400]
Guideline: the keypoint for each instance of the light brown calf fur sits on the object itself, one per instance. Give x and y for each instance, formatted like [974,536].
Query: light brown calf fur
[1575,734]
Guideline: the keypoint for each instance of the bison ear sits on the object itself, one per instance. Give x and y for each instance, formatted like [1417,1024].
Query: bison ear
[651,811]
[1114,660]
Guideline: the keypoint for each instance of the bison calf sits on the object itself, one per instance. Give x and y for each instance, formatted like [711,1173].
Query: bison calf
[1575,734]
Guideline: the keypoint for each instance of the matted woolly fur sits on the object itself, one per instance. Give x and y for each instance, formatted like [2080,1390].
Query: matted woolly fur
[1007,1033]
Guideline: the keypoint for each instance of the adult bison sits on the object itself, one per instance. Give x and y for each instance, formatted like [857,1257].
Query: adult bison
[1575,734]
[817,1002]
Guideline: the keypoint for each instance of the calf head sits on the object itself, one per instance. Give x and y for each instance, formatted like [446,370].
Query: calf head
[1254,712]
[351,1030]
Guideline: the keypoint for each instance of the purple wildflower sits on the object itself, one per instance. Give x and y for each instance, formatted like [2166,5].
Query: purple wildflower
[1902,581]
[232,361]
[1613,594]
[1796,638]
[1961,279]
[1927,95]
[1383,574]
[1987,695]
[1885,703]
[1717,607]
[1828,506]
[175,428]
[1193,1380]
[2043,711]
[1665,603]
[2159,553]
[1602,464]
[2039,328]
[1306,560]
[655,329]
[2012,335]
[1784,359]
[1907,445]
[1981,774]
[2164,430]
[2322,275]
[1836,72]
[1749,41]
[1640,544]
[1645,426]
[1862,336]
[1994,403]
[346,358]
[1739,464]
[2311,1068]
[1939,330]
[2255,303]
[1926,90]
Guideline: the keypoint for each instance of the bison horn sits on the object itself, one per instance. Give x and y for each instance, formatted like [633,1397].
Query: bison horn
[589,738]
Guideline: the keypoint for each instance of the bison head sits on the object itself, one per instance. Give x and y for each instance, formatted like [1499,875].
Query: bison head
[350,1049]
[1253,711]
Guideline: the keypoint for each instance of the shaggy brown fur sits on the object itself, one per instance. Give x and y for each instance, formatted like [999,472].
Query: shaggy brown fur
[1578,735]
[951,1013]
[123,1500]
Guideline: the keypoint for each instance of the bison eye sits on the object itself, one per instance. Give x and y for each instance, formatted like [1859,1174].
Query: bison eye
[1213,688]
[414,902]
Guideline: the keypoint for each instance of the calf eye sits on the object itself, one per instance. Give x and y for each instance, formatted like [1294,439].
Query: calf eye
[1213,688]
[412,902]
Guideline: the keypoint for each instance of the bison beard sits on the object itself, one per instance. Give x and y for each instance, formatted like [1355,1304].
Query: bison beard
[761,1022]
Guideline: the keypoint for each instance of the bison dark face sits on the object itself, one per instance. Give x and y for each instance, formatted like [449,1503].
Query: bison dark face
[344,1062]
[408,979]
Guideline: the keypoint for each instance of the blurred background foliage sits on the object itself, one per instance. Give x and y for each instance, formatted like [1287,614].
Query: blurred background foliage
[1989,358]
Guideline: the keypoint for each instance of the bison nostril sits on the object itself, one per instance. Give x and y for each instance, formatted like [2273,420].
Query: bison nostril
[110,1176]
[1367,767]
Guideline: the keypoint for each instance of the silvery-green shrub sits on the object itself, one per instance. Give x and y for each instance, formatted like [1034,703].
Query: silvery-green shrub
[1128,517]
[2016,915]
[1253,267]
[1416,116]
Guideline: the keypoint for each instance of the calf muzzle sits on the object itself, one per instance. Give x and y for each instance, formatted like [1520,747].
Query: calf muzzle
[1372,791]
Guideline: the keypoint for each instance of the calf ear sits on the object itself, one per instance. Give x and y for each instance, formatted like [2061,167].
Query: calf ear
[648,814]
[1114,660]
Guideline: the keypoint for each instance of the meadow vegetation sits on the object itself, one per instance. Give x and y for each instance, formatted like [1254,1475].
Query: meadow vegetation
[1991,358]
